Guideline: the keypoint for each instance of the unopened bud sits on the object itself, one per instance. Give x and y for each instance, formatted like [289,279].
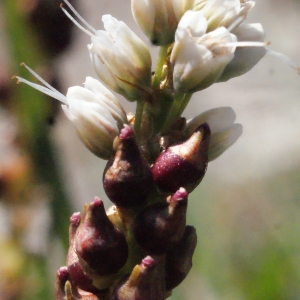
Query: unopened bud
[98,243]
[184,164]
[179,258]
[144,282]
[127,178]
[160,225]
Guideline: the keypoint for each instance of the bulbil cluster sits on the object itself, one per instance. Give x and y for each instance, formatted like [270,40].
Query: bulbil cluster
[141,248]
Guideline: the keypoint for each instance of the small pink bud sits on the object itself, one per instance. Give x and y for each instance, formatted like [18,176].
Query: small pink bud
[98,242]
[127,178]
[160,225]
[184,164]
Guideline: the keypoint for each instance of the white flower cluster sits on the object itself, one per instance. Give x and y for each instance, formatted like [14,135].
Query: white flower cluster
[205,42]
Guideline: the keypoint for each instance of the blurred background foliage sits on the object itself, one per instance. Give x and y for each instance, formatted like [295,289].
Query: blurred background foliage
[246,210]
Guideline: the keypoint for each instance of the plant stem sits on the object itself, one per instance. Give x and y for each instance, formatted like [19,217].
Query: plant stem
[159,66]
[138,118]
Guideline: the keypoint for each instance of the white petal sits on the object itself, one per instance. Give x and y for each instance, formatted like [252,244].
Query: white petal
[221,141]
[218,119]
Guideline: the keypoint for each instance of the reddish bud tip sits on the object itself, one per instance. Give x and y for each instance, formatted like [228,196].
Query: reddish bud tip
[179,195]
[63,274]
[75,218]
[126,132]
[148,262]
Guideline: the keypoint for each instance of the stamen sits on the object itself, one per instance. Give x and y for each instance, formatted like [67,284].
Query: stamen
[48,90]
[42,89]
[80,17]
[75,22]
[248,44]
[284,58]
[50,87]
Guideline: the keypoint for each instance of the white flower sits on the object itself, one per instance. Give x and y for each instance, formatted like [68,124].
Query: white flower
[224,132]
[94,110]
[120,58]
[245,58]
[226,13]
[198,59]
[181,6]
[159,18]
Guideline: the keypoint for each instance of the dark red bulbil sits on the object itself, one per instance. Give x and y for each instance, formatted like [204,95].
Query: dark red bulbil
[184,164]
[160,225]
[127,178]
[98,242]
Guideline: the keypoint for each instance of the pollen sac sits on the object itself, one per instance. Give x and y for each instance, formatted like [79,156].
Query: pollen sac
[161,225]
[127,178]
[179,258]
[100,246]
[144,282]
[184,164]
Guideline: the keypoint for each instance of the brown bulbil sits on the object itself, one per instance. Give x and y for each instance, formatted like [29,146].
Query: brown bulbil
[98,243]
[77,277]
[160,225]
[127,178]
[179,258]
[184,164]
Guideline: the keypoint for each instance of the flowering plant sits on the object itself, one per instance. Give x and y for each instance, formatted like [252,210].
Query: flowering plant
[141,247]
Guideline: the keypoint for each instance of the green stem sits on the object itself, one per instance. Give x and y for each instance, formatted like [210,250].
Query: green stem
[159,66]
[178,106]
[138,118]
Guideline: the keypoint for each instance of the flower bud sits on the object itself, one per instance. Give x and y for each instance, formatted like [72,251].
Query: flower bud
[94,110]
[159,18]
[179,258]
[184,164]
[160,225]
[223,13]
[143,283]
[121,60]
[100,246]
[224,132]
[127,178]
[198,59]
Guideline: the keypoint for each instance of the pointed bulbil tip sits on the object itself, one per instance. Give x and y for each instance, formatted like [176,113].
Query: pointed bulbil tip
[148,262]
[179,195]
[63,274]
[75,218]
[126,132]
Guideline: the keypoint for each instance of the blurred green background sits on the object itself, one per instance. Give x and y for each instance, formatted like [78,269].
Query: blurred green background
[246,210]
